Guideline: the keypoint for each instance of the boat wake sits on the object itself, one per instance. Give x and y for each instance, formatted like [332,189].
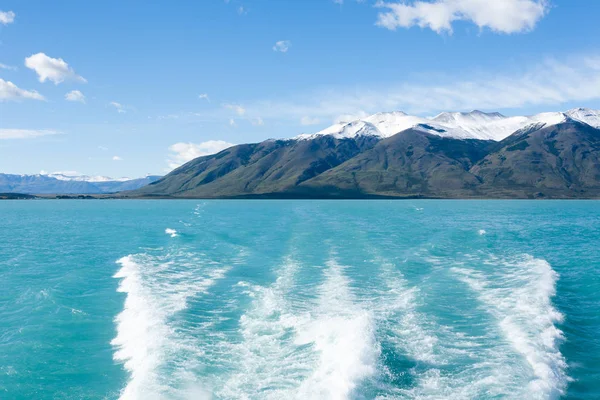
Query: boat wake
[315,333]
[157,288]
[518,295]
[297,346]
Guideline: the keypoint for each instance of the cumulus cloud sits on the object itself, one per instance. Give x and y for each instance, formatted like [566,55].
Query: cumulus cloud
[118,106]
[237,108]
[25,133]
[282,46]
[55,70]
[75,95]
[7,17]
[309,121]
[117,158]
[204,96]
[232,122]
[503,16]
[180,153]
[10,91]
[548,83]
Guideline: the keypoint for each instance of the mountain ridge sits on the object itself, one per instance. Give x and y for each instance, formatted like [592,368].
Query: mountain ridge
[68,184]
[459,125]
[540,160]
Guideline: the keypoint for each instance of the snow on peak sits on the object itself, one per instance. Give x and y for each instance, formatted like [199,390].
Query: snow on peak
[345,130]
[585,115]
[473,117]
[74,176]
[390,123]
[460,125]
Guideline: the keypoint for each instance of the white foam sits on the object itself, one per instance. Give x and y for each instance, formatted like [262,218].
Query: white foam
[396,305]
[519,296]
[171,232]
[145,337]
[298,349]
[343,333]
[481,232]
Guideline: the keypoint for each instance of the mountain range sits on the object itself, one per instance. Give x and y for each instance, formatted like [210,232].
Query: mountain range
[65,183]
[395,155]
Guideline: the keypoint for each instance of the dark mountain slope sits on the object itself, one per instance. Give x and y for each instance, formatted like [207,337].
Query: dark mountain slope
[266,168]
[561,160]
[132,184]
[412,163]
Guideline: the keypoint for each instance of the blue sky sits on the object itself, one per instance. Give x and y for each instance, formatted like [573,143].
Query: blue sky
[151,85]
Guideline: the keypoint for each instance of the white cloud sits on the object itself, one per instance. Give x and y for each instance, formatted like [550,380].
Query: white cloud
[103,148]
[170,116]
[548,83]
[241,10]
[117,158]
[52,69]
[75,95]
[8,67]
[120,108]
[503,16]
[25,133]
[258,121]
[180,153]
[7,17]
[232,122]
[204,96]
[237,108]
[309,121]
[282,46]
[10,91]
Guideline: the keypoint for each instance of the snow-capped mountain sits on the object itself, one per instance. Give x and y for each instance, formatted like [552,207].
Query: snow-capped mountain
[68,183]
[73,176]
[459,125]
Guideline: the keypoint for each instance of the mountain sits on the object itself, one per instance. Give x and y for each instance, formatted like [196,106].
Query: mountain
[273,166]
[67,184]
[412,163]
[561,160]
[451,155]
[73,176]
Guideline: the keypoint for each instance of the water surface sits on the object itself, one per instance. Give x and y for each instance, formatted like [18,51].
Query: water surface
[299,299]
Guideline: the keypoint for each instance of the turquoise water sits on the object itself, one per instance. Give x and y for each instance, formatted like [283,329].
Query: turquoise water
[299,299]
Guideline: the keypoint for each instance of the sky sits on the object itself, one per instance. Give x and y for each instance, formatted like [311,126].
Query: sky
[129,88]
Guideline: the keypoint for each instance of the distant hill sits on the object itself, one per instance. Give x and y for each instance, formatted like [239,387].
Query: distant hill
[48,184]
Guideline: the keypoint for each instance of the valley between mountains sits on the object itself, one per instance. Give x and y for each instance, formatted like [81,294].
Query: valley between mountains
[395,155]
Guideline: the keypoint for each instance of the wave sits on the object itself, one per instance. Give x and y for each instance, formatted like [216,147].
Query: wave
[519,296]
[171,232]
[408,329]
[157,288]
